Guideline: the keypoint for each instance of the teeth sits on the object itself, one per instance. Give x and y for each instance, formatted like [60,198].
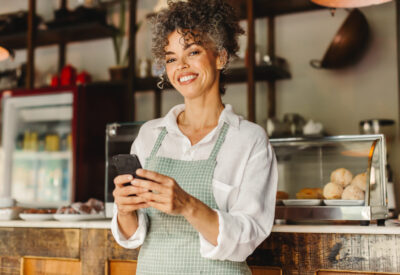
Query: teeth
[186,78]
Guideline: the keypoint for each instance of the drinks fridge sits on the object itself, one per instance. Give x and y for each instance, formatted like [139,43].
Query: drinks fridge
[52,145]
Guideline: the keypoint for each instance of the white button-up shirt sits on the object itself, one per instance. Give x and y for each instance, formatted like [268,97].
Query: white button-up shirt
[244,183]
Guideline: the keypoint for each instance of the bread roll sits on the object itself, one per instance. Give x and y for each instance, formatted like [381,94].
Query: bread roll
[309,193]
[333,191]
[352,192]
[360,181]
[282,195]
[342,176]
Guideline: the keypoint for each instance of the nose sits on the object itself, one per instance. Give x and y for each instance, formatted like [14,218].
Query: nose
[182,64]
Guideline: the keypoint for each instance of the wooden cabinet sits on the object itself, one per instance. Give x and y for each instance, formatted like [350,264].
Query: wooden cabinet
[117,267]
[35,265]
[265,270]
[338,272]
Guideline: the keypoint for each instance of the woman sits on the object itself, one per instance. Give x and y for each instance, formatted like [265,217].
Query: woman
[208,197]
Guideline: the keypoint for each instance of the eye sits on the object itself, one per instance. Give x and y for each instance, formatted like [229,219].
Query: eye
[194,52]
[170,60]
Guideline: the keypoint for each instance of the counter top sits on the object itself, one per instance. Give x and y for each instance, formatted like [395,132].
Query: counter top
[100,224]
[391,227]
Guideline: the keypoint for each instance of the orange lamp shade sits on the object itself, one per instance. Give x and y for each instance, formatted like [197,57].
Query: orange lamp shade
[348,3]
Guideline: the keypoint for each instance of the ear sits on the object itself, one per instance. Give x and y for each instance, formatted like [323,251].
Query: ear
[222,59]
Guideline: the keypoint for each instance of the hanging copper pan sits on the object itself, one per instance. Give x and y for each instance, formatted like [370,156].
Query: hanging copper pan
[348,45]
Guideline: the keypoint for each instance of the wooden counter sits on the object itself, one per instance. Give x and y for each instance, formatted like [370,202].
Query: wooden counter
[65,247]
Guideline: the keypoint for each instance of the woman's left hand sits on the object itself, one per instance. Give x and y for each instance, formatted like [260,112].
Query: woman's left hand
[166,196]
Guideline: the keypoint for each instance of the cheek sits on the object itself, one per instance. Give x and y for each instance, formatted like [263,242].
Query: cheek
[169,72]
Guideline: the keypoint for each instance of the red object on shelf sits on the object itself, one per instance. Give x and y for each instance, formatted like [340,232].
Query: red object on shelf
[83,78]
[55,81]
[68,75]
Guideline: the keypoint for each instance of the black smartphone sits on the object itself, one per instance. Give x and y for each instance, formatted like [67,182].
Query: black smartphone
[126,164]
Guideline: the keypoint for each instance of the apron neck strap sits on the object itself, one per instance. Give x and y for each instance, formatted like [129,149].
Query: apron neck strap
[220,140]
[159,140]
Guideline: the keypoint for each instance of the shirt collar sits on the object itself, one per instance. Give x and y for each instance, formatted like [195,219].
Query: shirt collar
[169,120]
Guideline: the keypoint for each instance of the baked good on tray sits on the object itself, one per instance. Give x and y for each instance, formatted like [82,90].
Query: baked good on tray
[282,195]
[309,193]
[333,191]
[341,176]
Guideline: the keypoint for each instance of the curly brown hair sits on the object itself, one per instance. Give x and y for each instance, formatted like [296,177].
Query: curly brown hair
[209,22]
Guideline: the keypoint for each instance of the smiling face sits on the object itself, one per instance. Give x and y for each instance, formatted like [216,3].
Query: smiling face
[192,69]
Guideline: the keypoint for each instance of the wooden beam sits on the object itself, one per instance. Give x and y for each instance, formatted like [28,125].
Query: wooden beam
[398,55]
[61,56]
[30,74]
[271,98]
[130,95]
[251,114]
[157,103]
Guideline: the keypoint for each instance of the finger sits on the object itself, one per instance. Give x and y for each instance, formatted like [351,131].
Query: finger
[120,201]
[149,185]
[153,176]
[121,179]
[150,196]
[131,208]
[132,190]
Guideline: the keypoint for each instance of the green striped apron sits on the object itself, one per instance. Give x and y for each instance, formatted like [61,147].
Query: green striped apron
[172,245]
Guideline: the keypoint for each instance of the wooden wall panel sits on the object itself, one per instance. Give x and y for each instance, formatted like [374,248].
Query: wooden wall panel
[94,251]
[45,242]
[115,251]
[35,266]
[305,253]
[117,267]
[10,265]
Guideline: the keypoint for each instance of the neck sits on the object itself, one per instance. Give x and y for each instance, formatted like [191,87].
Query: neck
[201,114]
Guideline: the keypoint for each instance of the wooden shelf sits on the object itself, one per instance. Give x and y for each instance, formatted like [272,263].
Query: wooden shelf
[235,75]
[71,33]
[264,8]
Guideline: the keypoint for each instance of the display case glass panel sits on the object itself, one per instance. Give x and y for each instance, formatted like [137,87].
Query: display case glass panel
[119,139]
[307,167]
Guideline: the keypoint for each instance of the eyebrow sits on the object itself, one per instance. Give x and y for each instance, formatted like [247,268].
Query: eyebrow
[185,48]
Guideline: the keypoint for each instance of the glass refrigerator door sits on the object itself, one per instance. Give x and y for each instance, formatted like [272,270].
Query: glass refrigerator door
[37,146]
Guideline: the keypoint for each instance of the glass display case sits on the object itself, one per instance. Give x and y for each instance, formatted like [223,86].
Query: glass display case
[331,178]
[119,139]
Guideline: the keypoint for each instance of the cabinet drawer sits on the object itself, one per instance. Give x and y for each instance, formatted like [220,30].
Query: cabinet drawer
[39,265]
[344,272]
[265,270]
[119,267]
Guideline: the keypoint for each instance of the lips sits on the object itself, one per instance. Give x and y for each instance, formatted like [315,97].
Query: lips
[187,78]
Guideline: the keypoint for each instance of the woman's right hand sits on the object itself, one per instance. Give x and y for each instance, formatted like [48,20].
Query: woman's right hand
[125,196]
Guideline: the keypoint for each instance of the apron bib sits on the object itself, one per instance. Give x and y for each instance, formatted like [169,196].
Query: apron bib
[172,245]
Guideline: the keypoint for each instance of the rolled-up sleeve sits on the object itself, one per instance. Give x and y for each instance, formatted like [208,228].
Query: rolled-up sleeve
[250,218]
[137,238]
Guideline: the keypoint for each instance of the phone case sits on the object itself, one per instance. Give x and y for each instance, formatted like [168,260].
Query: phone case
[126,164]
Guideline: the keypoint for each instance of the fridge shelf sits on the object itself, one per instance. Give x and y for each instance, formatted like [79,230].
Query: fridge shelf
[32,155]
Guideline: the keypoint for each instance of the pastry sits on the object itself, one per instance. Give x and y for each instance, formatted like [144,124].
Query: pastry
[333,191]
[309,193]
[342,176]
[282,195]
[360,181]
[352,192]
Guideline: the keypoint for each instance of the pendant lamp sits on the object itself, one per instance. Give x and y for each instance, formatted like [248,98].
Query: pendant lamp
[348,3]
[5,53]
